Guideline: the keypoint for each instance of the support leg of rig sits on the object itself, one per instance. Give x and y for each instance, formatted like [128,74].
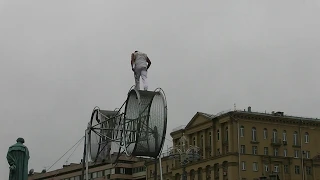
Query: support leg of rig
[160,167]
[87,154]
[155,134]
[155,169]
[84,155]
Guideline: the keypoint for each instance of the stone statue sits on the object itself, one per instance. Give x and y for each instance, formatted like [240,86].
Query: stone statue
[18,157]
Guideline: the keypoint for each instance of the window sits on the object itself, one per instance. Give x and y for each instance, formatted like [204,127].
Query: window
[255,166]
[265,149]
[275,151]
[306,137]
[266,168]
[210,139]
[286,168]
[218,134]
[274,135]
[295,138]
[308,154]
[242,131]
[296,153]
[94,175]
[265,133]
[192,174]
[107,172]
[276,168]
[167,168]
[227,149]
[201,141]
[208,171]
[254,150]
[122,171]
[218,151]
[194,141]
[285,152]
[141,168]
[243,165]
[254,134]
[226,136]
[100,174]
[308,170]
[284,135]
[199,173]
[297,169]
[243,149]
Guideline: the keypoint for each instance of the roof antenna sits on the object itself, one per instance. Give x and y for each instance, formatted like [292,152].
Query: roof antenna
[234,105]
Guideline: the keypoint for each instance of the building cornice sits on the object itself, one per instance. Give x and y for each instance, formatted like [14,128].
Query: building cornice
[177,132]
[269,118]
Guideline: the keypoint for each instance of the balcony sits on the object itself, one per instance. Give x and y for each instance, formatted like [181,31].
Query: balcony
[254,141]
[296,145]
[276,142]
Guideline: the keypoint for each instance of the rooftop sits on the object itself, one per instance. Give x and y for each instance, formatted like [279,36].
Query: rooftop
[249,111]
[76,167]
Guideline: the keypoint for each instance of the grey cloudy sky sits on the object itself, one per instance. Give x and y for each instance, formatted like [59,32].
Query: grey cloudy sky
[59,59]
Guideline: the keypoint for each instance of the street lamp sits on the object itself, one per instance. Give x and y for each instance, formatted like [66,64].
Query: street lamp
[184,154]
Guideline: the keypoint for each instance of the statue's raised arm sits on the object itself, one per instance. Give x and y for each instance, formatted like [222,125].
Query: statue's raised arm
[18,157]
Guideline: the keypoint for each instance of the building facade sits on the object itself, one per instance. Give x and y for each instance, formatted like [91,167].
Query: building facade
[126,168]
[246,145]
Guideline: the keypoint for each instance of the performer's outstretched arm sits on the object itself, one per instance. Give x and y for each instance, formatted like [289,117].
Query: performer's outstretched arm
[132,61]
[149,62]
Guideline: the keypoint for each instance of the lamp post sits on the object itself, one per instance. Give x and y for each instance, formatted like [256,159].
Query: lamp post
[184,154]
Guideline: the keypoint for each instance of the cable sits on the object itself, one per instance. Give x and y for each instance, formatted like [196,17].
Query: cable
[65,153]
[74,150]
[68,159]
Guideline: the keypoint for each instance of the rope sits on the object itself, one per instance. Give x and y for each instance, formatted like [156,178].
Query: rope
[74,150]
[67,159]
[65,154]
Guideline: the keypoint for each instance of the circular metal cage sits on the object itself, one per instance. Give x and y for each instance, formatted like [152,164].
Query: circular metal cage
[103,137]
[146,115]
[138,130]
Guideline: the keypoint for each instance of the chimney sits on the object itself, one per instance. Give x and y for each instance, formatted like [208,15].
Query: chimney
[249,109]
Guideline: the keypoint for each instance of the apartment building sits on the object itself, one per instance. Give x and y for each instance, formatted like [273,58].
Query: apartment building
[247,145]
[126,168]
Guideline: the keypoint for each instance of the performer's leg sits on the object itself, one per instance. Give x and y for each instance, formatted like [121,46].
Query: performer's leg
[137,73]
[144,74]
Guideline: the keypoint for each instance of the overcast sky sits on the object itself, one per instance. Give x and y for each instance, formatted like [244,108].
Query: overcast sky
[60,59]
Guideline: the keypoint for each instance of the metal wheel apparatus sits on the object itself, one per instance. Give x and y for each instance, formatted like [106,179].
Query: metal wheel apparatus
[137,128]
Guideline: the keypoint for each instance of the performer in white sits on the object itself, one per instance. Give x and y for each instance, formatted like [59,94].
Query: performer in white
[140,63]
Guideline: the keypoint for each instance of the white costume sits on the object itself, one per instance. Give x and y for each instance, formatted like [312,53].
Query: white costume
[140,69]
